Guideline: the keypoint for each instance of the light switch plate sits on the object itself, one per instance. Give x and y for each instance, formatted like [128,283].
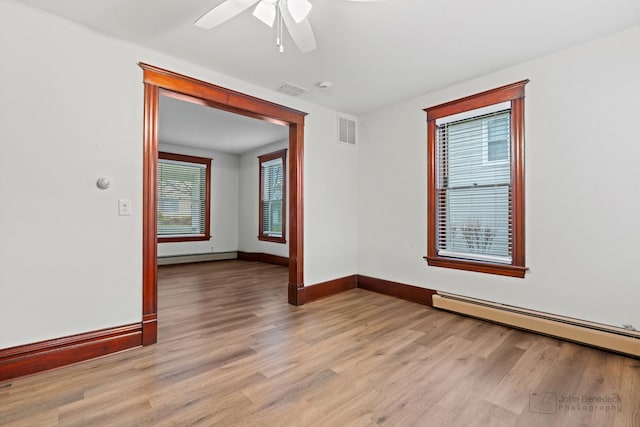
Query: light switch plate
[124,207]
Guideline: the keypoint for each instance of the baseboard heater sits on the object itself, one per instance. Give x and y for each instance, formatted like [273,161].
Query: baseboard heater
[607,337]
[189,258]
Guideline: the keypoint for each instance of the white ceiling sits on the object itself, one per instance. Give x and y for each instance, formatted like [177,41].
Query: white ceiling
[374,53]
[194,125]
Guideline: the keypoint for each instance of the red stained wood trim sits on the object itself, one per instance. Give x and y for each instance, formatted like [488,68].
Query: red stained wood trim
[480,267]
[330,287]
[296,214]
[515,94]
[207,194]
[183,239]
[395,289]
[157,80]
[296,294]
[149,206]
[280,154]
[517,177]
[479,100]
[42,356]
[218,96]
[149,329]
[432,196]
[262,257]
[249,256]
[274,259]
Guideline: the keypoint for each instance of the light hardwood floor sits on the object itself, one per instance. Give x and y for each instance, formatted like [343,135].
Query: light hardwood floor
[231,351]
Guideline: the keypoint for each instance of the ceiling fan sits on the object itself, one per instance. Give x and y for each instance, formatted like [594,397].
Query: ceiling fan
[290,13]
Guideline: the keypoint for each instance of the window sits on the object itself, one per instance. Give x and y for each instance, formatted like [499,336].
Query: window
[272,197]
[476,182]
[495,140]
[183,198]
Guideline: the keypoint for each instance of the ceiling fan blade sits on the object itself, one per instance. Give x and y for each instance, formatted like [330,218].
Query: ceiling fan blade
[299,9]
[266,12]
[301,33]
[223,12]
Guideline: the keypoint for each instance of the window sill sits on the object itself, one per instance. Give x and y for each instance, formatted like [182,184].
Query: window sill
[173,239]
[272,239]
[477,266]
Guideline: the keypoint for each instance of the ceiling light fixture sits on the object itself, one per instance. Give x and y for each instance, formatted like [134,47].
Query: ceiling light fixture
[269,11]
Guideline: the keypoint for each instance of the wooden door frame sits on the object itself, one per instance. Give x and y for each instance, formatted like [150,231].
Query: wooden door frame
[156,81]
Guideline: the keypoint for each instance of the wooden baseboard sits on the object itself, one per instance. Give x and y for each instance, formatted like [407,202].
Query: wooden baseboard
[296,294]
[149,329]
[45,355]
[330,287]
[399,290]
[262,257]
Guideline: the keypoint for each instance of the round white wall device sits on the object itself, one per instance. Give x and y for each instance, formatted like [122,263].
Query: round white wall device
[103,183]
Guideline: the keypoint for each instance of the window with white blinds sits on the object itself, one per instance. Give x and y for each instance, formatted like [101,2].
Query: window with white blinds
[183,197]
[474,188]
[272,196]
[476,182]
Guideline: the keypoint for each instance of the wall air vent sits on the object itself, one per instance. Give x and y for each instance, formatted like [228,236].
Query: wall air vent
[291,89]
[346,131]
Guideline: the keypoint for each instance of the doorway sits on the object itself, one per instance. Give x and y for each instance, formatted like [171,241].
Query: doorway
[158,81]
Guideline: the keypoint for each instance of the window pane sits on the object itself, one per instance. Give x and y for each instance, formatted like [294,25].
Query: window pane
[498,139]
[181,198]
[272,197]
[477,220]
[474,198]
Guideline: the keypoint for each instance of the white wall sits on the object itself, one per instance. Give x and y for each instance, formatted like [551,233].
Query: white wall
[70,112]
[330,217]
[248,203]
[224,204]
[582,180]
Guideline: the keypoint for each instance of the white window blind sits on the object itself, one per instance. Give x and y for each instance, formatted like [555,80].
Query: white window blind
[181,198]
[474,188]
[272,179]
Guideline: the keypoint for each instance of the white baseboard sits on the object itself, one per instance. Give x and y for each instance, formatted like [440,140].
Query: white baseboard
[183,259]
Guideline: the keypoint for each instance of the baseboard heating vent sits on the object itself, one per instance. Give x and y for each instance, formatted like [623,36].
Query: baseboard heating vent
[595,334]
[189,258]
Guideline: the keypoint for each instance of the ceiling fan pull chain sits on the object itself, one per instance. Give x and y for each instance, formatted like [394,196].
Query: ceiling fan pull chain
[279,41]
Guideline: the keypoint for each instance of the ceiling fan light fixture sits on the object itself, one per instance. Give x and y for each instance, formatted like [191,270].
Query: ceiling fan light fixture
[266,12]
[299,9]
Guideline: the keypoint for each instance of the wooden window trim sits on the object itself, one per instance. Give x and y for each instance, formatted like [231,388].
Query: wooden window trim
[207,194]
[515,94]
[280,154]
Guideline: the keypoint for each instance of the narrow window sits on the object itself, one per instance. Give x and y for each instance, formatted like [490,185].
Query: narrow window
[183,198]
[476,182]
[272,196]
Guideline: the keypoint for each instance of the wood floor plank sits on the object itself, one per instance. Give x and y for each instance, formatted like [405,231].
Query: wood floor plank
[232,352]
